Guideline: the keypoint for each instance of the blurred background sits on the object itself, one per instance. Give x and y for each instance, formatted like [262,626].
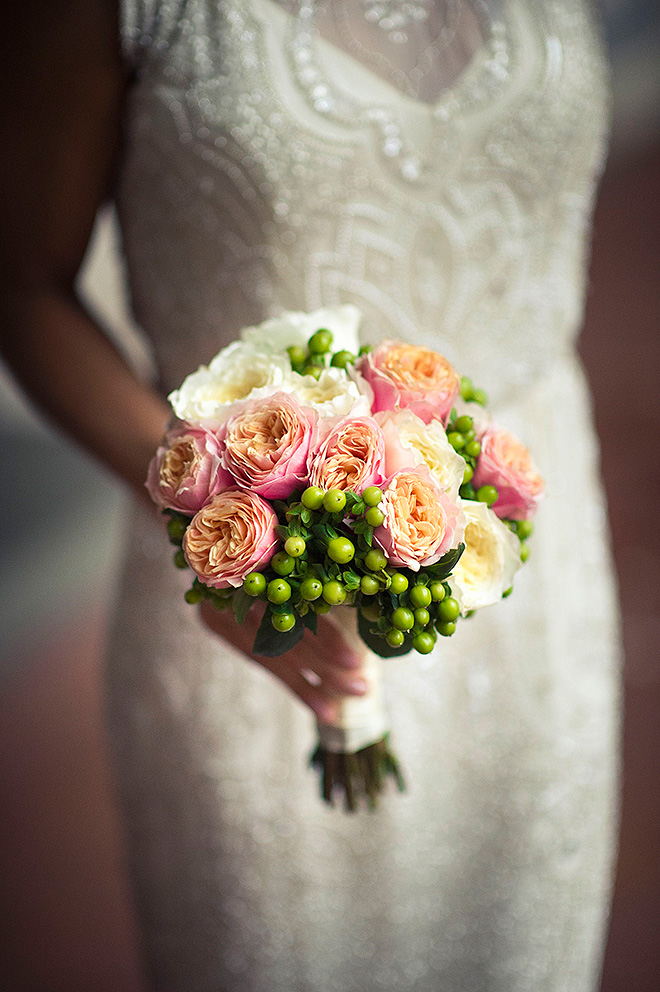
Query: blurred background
[60,545]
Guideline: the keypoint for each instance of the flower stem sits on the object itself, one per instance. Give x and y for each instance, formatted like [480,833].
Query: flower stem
[358,778]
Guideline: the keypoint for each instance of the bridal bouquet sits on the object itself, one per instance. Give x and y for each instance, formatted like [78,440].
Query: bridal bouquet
[312,475]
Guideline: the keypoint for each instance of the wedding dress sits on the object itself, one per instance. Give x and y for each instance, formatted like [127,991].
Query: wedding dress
[433,163]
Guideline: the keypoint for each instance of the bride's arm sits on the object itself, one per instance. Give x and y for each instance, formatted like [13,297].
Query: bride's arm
[63,93]
[65,86]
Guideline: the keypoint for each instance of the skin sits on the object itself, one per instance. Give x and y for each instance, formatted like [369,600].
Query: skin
[65,124]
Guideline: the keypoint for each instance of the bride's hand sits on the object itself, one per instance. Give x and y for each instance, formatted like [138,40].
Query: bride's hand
[319,670]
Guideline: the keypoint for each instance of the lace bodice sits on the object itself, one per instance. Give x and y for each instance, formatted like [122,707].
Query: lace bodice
[296,155]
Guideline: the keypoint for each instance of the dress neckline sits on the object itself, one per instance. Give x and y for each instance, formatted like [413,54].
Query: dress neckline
[414,134]
[303,38]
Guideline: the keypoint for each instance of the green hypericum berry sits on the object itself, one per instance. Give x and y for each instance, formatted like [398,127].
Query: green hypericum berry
[282,563]
[524,529]
[422,617]
[341,550]
[420,596]
[524,552]
[375,560]
[297,354]
[466,388]
[334,592]
[320,342]
[403,619]
[467,474]
[312,498]
[487,494]
[311,589]
[374,516]
[446,628]
[479,396]
[341,359]
[456,440]
[295,546]
[507,592]
[320,606]
[473,449]
[398,583]
[437,591]
[312,370]
[283,621]
[423,642]
[448,609]
[254,584]
[464,424]
[279,591]
[365,349]
[395,638]
[176,528]
[372,495]
[368,585]
[180,559]
[334,501]
[194,596]
[469,435]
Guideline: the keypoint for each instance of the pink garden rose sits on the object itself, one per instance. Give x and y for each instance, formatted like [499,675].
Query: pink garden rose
[506,463]
[186,470]
[267,444]
[350,455]
[230,537]
[421,522]
[407,375]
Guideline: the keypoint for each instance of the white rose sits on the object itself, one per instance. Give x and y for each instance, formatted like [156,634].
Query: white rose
[490,560]
[296,328]
[333,394]
[426,443]
[239,372]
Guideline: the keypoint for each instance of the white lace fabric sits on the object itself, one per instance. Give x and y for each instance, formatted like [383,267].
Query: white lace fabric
[435,165]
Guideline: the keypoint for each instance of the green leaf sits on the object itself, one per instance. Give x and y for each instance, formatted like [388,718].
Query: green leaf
[240,604]
[378,644]
[447,563]
[310,620]
[270,643]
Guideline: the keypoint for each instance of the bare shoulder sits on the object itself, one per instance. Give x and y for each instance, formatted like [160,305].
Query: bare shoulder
[63,82]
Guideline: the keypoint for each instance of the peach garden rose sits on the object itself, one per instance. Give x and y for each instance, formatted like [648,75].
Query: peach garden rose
[408,375]
[507,464]
[267,443]
[186,470]
[421,522]
[351,455]
[233,535]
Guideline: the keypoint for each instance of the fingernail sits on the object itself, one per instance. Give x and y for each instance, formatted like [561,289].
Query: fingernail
[325,712]
[358,685]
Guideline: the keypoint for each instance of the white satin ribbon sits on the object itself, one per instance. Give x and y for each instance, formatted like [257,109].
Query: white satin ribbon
[362,720]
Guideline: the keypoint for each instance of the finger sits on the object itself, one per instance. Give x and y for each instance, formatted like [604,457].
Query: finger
[333,679]
[333,646]
[324,706]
